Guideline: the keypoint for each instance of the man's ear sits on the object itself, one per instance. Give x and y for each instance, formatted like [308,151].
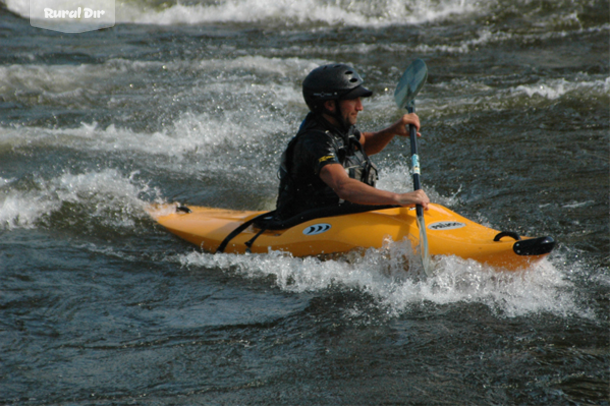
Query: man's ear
[330,105]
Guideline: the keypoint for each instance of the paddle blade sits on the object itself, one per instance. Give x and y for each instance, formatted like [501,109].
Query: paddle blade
[410,84]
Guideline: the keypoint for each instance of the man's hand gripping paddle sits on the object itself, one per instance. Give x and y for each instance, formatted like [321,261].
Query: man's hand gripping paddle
[409,85]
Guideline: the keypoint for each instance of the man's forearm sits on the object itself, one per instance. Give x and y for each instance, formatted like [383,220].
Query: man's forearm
[375,142]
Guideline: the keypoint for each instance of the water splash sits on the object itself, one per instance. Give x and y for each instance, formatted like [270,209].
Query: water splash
[106,197]
[352,13]
[392,276]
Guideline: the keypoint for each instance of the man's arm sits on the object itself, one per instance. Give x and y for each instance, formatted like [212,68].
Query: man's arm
[357,192]
[374,142]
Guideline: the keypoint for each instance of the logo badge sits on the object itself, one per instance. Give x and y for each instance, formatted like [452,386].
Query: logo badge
[446,225]
[317,229]
[74,16]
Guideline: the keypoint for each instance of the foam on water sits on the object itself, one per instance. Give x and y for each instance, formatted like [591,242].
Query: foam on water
[478,96]
[399,178]
[194,144]
[557,88]
[189,133]
[221,118]
[393,277]
[52,84]
[114,199]
[90,137]
[21,82]
[444,44]
[49,78]
[354,13]
[358,13]
[483,37]
[486,37]
[443,99]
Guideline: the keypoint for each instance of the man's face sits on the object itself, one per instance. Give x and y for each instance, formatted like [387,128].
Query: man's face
[349,110]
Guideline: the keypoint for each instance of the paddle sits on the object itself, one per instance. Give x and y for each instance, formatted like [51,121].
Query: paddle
[408,87]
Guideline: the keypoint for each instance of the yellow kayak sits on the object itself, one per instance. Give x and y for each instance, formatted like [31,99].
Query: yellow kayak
[231,231]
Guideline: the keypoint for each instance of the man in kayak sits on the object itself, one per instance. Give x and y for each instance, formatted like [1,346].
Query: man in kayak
[327,163]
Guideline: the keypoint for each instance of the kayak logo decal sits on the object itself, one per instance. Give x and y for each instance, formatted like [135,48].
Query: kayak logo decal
[446,225]
[317,229]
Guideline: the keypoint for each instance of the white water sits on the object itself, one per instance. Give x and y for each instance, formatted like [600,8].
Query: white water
[70,85]
[351,13]
[116,199]
[392,277]
[107,197]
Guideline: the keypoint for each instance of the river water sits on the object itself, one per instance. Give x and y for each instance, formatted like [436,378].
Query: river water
[194,102]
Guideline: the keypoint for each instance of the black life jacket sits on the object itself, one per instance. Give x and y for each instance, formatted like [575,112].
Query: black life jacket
[298,193]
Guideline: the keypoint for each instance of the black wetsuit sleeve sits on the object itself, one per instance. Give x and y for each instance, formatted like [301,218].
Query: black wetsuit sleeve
[316,151]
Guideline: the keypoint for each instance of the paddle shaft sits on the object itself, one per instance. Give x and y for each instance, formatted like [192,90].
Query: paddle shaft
[415,161]
[408,87]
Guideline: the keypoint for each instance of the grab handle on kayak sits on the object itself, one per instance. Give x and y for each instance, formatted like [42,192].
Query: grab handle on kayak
[242,227]
[503,234]
[534,246]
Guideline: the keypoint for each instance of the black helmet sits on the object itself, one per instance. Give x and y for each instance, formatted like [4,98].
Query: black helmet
[332,82]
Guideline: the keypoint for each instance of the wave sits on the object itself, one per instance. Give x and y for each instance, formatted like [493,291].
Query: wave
[96,198]
[20,82]
[269,105]
[352,13]
[93,201]
[203,134]
[463,95]
[357,13]
[558,88]
[488,37]
[183,118]
[393,278]
[285,12]
[73,81]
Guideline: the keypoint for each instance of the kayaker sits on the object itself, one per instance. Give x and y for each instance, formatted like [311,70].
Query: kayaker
[327,162]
